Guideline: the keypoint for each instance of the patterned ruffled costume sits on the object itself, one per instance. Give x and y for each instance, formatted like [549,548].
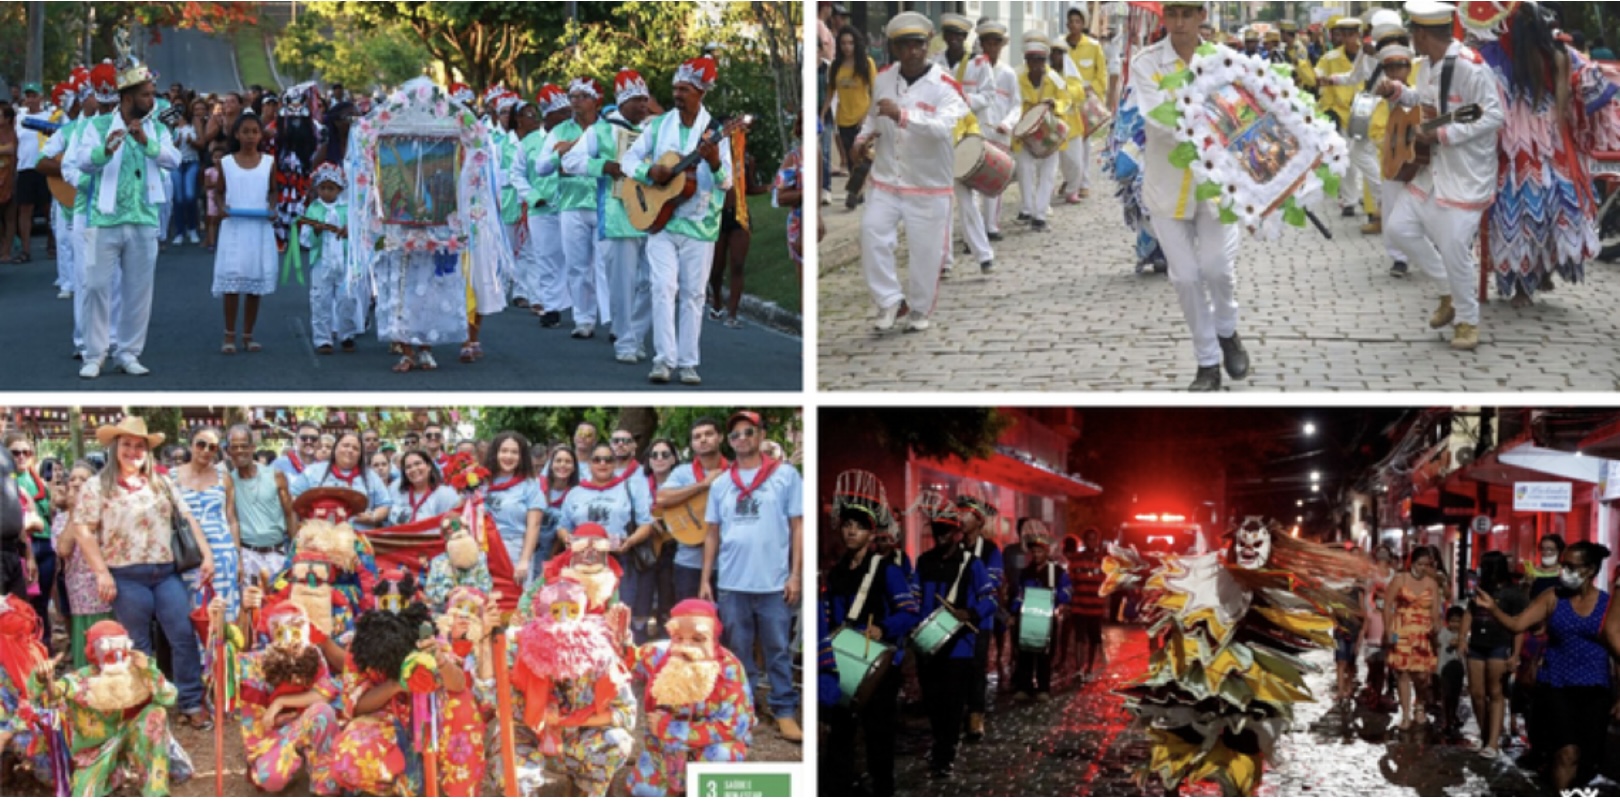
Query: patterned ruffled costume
[1545,217]
[1225,670]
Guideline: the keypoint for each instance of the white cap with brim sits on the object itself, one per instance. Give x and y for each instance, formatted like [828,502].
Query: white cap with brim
[1395,52]
[1431,13]
[993,28]
[909,25]
[955,22]
[1036,43]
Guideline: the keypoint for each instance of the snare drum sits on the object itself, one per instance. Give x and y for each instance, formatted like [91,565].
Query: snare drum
[1041,132]
[937,632]
[1036,619]
[862,664]
[1361,116]
[1096,116]
[984,166]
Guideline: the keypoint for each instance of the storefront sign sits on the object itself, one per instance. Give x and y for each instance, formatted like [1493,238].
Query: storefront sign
[1611,481]
[1543,496]
[1481,525]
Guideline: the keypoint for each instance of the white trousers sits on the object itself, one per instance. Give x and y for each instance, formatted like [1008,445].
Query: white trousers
[1350,187]
[255,563]
[679,277]
[1202,255]
[1075,159]
[1440,241]
[1036,179]
[927,220]
[631,275]
[62,229]
[79,243]
[1364,156]
[579,253]
[973,232]
[542,277]
[333,312]
[1392,196]
[126,254]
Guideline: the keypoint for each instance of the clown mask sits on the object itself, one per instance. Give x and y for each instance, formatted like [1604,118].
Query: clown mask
[312,590]
[588,554]
[690,675]
[117,686]
[289,632]
[463,622]
[462,549]
[1253,544]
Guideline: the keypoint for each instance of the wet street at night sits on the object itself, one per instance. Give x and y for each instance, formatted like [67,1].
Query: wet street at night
[1080,744]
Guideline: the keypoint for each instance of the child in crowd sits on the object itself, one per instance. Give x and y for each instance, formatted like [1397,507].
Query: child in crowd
[334,314]
[1452,673]
[214,192]
[245,264]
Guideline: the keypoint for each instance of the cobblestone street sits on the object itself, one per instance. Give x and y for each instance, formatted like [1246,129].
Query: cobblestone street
[1066,311]
[1080,744]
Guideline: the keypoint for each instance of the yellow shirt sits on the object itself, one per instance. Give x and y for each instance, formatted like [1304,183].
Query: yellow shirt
[1338,99]
[1090,63]
[1052,88]
[854,95]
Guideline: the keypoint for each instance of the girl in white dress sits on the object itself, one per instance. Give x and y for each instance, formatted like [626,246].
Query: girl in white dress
[245,263]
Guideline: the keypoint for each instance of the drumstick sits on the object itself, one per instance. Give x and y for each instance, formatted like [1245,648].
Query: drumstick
[867,653]
[947,605]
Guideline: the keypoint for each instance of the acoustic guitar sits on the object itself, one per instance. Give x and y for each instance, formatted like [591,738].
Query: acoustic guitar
[685,521]
[1404,155]
[651,207]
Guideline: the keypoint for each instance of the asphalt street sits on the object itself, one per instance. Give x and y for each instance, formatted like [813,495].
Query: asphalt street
[183,347]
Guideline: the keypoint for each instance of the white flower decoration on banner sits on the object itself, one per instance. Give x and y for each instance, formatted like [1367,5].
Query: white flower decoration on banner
[1254,142]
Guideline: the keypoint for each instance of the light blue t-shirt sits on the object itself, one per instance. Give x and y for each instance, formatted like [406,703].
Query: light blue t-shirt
[402,511]
[510,508]
[689,556]
[284,463]
[320,475]
[611,509]
[755,539]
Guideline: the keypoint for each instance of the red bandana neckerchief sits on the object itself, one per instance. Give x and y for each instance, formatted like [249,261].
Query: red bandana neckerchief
[349,479]
[698,472]
[613,482]
[502,486]
[39,485]
[297,463]
[416,505]
[545,489]
[767,466]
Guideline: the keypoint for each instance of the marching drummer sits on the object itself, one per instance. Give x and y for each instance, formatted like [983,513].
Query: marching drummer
[871,595]
[914,115]
[1046,100]
[1200,250]
[955,594]
[1086,72]
[995,101]
[1043,590]
[975,81]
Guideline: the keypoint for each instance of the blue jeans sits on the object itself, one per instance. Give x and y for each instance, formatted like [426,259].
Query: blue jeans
[45,558]
[688,582]
[184,218]
[146,592]
[765,616]
[636,591]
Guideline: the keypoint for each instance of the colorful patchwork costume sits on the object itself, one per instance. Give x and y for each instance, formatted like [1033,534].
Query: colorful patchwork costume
[277,749]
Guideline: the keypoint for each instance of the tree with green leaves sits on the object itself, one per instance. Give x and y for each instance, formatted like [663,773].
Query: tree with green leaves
[339,51]
[939,434]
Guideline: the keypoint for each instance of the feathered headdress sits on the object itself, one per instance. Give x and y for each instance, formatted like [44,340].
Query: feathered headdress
[629,85]
[862,492]
[585,86]
[328,172]
[700,72]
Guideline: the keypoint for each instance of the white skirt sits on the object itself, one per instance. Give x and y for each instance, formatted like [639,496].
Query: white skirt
[245,260]
[419,300]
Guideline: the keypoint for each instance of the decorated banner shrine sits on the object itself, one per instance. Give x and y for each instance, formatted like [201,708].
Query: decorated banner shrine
[1254,142]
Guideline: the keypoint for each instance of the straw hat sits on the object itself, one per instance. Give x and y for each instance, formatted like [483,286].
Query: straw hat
[128,427]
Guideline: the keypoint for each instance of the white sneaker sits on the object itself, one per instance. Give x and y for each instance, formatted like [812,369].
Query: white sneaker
[64,295]
[628,358]
[133,367]
[887,318]
[90,371]
[917,323]
[193,238]
[689,377]
[660,374]
[178,241]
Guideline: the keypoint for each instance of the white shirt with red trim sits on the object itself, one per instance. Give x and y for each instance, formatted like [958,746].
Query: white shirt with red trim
[1464,171]
[918,154]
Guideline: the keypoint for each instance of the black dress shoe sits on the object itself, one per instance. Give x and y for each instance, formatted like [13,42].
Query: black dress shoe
[996,236]
[1400,270]
[1209,380]
[551,320]
[1022,217]
[1235,357]
[1349,212]
[1038,225]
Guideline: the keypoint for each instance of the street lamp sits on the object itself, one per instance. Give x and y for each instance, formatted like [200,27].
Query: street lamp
[1316,488]
[1300,504]
[1310,429]
[1315,476]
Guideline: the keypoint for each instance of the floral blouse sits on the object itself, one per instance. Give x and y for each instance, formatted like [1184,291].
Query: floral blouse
[76,575]
[132,526]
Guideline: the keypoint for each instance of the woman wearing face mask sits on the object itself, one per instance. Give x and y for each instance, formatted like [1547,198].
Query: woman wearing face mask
[1540,576]
[514,500]
[1415,606]
[1573,686]
[1491,651]
[421,493]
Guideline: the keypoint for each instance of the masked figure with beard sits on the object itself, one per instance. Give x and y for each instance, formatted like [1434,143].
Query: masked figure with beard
[286,701]
[1227,639]
[469,616]
[700,707]
[463,564]
[297,138]
[21,655]
[118,717]
[588,564]
[330,571]
[572,695]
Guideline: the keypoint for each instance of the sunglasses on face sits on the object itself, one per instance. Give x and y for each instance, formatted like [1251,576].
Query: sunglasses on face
[662,455]
[313,438]
[601,460]
[623,440]
[22,453]
[434,436]
[204,445]
[742,434]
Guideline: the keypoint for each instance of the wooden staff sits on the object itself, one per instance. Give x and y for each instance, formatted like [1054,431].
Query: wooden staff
[503,697]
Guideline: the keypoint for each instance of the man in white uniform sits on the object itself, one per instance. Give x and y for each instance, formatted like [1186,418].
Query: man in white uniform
[1439,230]
[972,76]
[1201,252]
[993,97]
[914,116]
